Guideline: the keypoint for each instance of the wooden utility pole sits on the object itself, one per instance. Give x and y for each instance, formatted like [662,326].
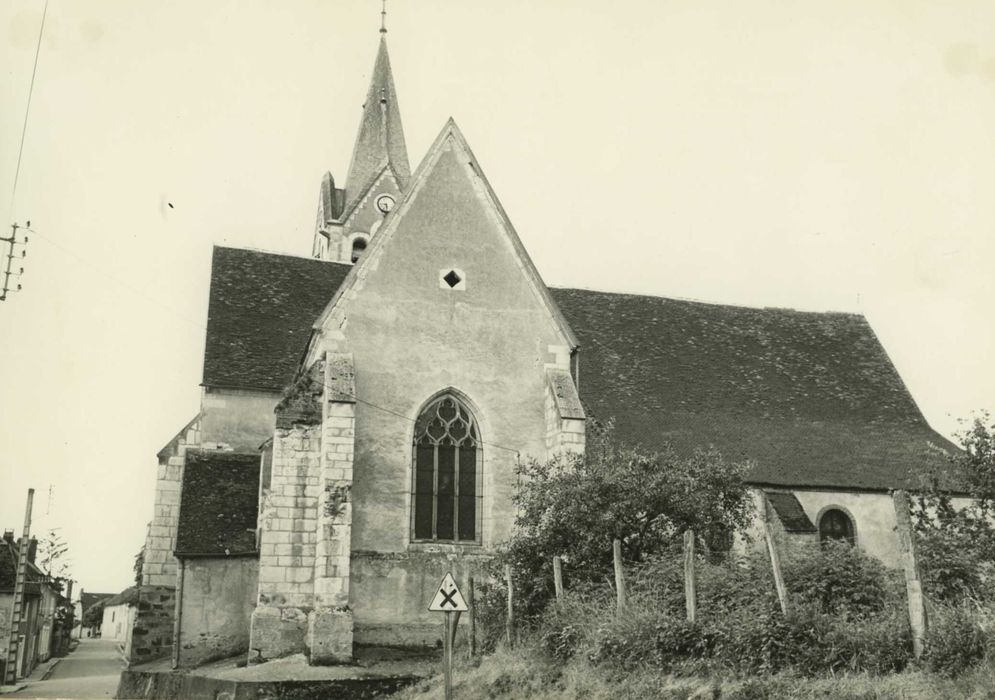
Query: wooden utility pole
[7,271]
[910,565]
[775,561]
[15,619]
[690,594]
[558,577]
[619,574]
[473,618]
[510,622]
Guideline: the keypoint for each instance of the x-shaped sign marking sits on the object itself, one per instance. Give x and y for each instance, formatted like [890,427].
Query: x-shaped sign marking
[448,598]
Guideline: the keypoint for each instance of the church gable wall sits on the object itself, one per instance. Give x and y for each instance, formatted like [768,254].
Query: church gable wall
[413,336]
[487,337]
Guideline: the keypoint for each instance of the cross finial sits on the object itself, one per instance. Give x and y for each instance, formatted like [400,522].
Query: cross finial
[383,16]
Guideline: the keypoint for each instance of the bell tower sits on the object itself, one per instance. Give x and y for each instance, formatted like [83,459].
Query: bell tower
[378,172]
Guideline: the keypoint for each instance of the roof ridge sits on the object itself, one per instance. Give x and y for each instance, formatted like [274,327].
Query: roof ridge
[704,302]
[263,251]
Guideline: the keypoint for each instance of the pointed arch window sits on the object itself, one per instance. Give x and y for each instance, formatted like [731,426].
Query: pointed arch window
[447,464]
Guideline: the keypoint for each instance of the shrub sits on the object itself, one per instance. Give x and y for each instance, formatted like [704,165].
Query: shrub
[950,567]
[629,639]
[955,640]
[837,578]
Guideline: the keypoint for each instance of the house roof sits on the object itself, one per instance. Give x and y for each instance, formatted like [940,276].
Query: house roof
[8,570]
[218,504]
[129,596]
[89,599]
[260,313]
[810,398]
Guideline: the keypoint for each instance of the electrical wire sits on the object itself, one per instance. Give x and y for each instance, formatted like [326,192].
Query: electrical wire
[27,109]
[200,326]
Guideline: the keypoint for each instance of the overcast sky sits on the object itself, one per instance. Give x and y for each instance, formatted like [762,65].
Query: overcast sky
[822,156]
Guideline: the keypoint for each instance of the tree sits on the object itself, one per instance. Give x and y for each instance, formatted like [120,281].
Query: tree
[957,544]
[52,550]
[575,505]
[94,615]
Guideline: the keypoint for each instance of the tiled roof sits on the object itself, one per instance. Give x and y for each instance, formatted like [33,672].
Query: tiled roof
[129,596]
[8,570]
[259,318]
[218,504]
[811,398]
[789,511]
[88,599]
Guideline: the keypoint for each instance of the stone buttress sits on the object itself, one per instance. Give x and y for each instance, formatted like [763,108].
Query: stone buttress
[306,521]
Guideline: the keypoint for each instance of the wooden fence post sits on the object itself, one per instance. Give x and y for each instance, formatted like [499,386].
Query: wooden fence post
[558,577]
[510,622]
[775,561]
[690,595]
[619,575]
[910,564]
[473,618]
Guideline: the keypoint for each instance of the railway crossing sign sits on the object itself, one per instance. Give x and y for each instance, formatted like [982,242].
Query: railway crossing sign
[448,598]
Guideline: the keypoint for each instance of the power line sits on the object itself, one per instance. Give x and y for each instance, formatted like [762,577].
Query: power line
[202,327]
[27,108]
[90,265]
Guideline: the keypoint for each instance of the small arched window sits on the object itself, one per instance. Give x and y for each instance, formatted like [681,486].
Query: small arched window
[358,246]
[446,484]
[836,525]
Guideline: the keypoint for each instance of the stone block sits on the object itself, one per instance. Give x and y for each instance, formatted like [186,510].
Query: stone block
[276,632]
[329,636]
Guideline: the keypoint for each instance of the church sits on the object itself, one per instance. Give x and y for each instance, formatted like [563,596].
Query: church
[364,409]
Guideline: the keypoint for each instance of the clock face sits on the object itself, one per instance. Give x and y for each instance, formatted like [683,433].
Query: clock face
[385,203]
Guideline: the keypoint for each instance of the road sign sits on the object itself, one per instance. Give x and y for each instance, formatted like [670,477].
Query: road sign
[448,598]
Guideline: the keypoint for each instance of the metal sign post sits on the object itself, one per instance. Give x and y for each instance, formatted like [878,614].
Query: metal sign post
[449,600]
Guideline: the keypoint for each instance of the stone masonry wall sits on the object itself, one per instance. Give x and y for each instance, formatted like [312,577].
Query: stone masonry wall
[330,624]
[565,419]
[288,523]
[152,635]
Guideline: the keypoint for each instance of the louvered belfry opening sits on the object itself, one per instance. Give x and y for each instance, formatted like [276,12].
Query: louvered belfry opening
[447,458]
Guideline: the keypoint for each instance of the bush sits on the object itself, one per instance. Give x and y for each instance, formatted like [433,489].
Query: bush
[950,568]
[837,579]
[955,640]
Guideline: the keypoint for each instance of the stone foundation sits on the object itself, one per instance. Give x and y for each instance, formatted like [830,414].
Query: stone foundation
[152,635]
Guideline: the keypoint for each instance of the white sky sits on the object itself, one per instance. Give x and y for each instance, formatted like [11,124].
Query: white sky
[826,156]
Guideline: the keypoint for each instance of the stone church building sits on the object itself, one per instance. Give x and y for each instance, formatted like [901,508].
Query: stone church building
[364,410]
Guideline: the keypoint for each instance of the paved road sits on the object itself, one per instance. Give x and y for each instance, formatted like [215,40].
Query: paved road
[92,671]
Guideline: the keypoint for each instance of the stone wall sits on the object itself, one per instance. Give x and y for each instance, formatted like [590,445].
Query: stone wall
[153,625]
[565,419]
[288,523]
[391,593]
[219,595]
[152,635]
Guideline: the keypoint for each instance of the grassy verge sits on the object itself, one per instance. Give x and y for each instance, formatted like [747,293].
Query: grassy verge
[525,673]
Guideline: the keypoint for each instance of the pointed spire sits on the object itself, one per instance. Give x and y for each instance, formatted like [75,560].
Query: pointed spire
[381,138]
[383,17]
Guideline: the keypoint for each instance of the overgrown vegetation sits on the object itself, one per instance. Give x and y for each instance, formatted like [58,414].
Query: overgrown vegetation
[848,615]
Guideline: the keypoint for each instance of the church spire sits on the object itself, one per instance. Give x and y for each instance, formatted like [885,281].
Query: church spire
[381,138]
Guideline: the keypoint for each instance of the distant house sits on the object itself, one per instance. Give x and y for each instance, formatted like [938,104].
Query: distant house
[42,596]
[119,616]
[87,601]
